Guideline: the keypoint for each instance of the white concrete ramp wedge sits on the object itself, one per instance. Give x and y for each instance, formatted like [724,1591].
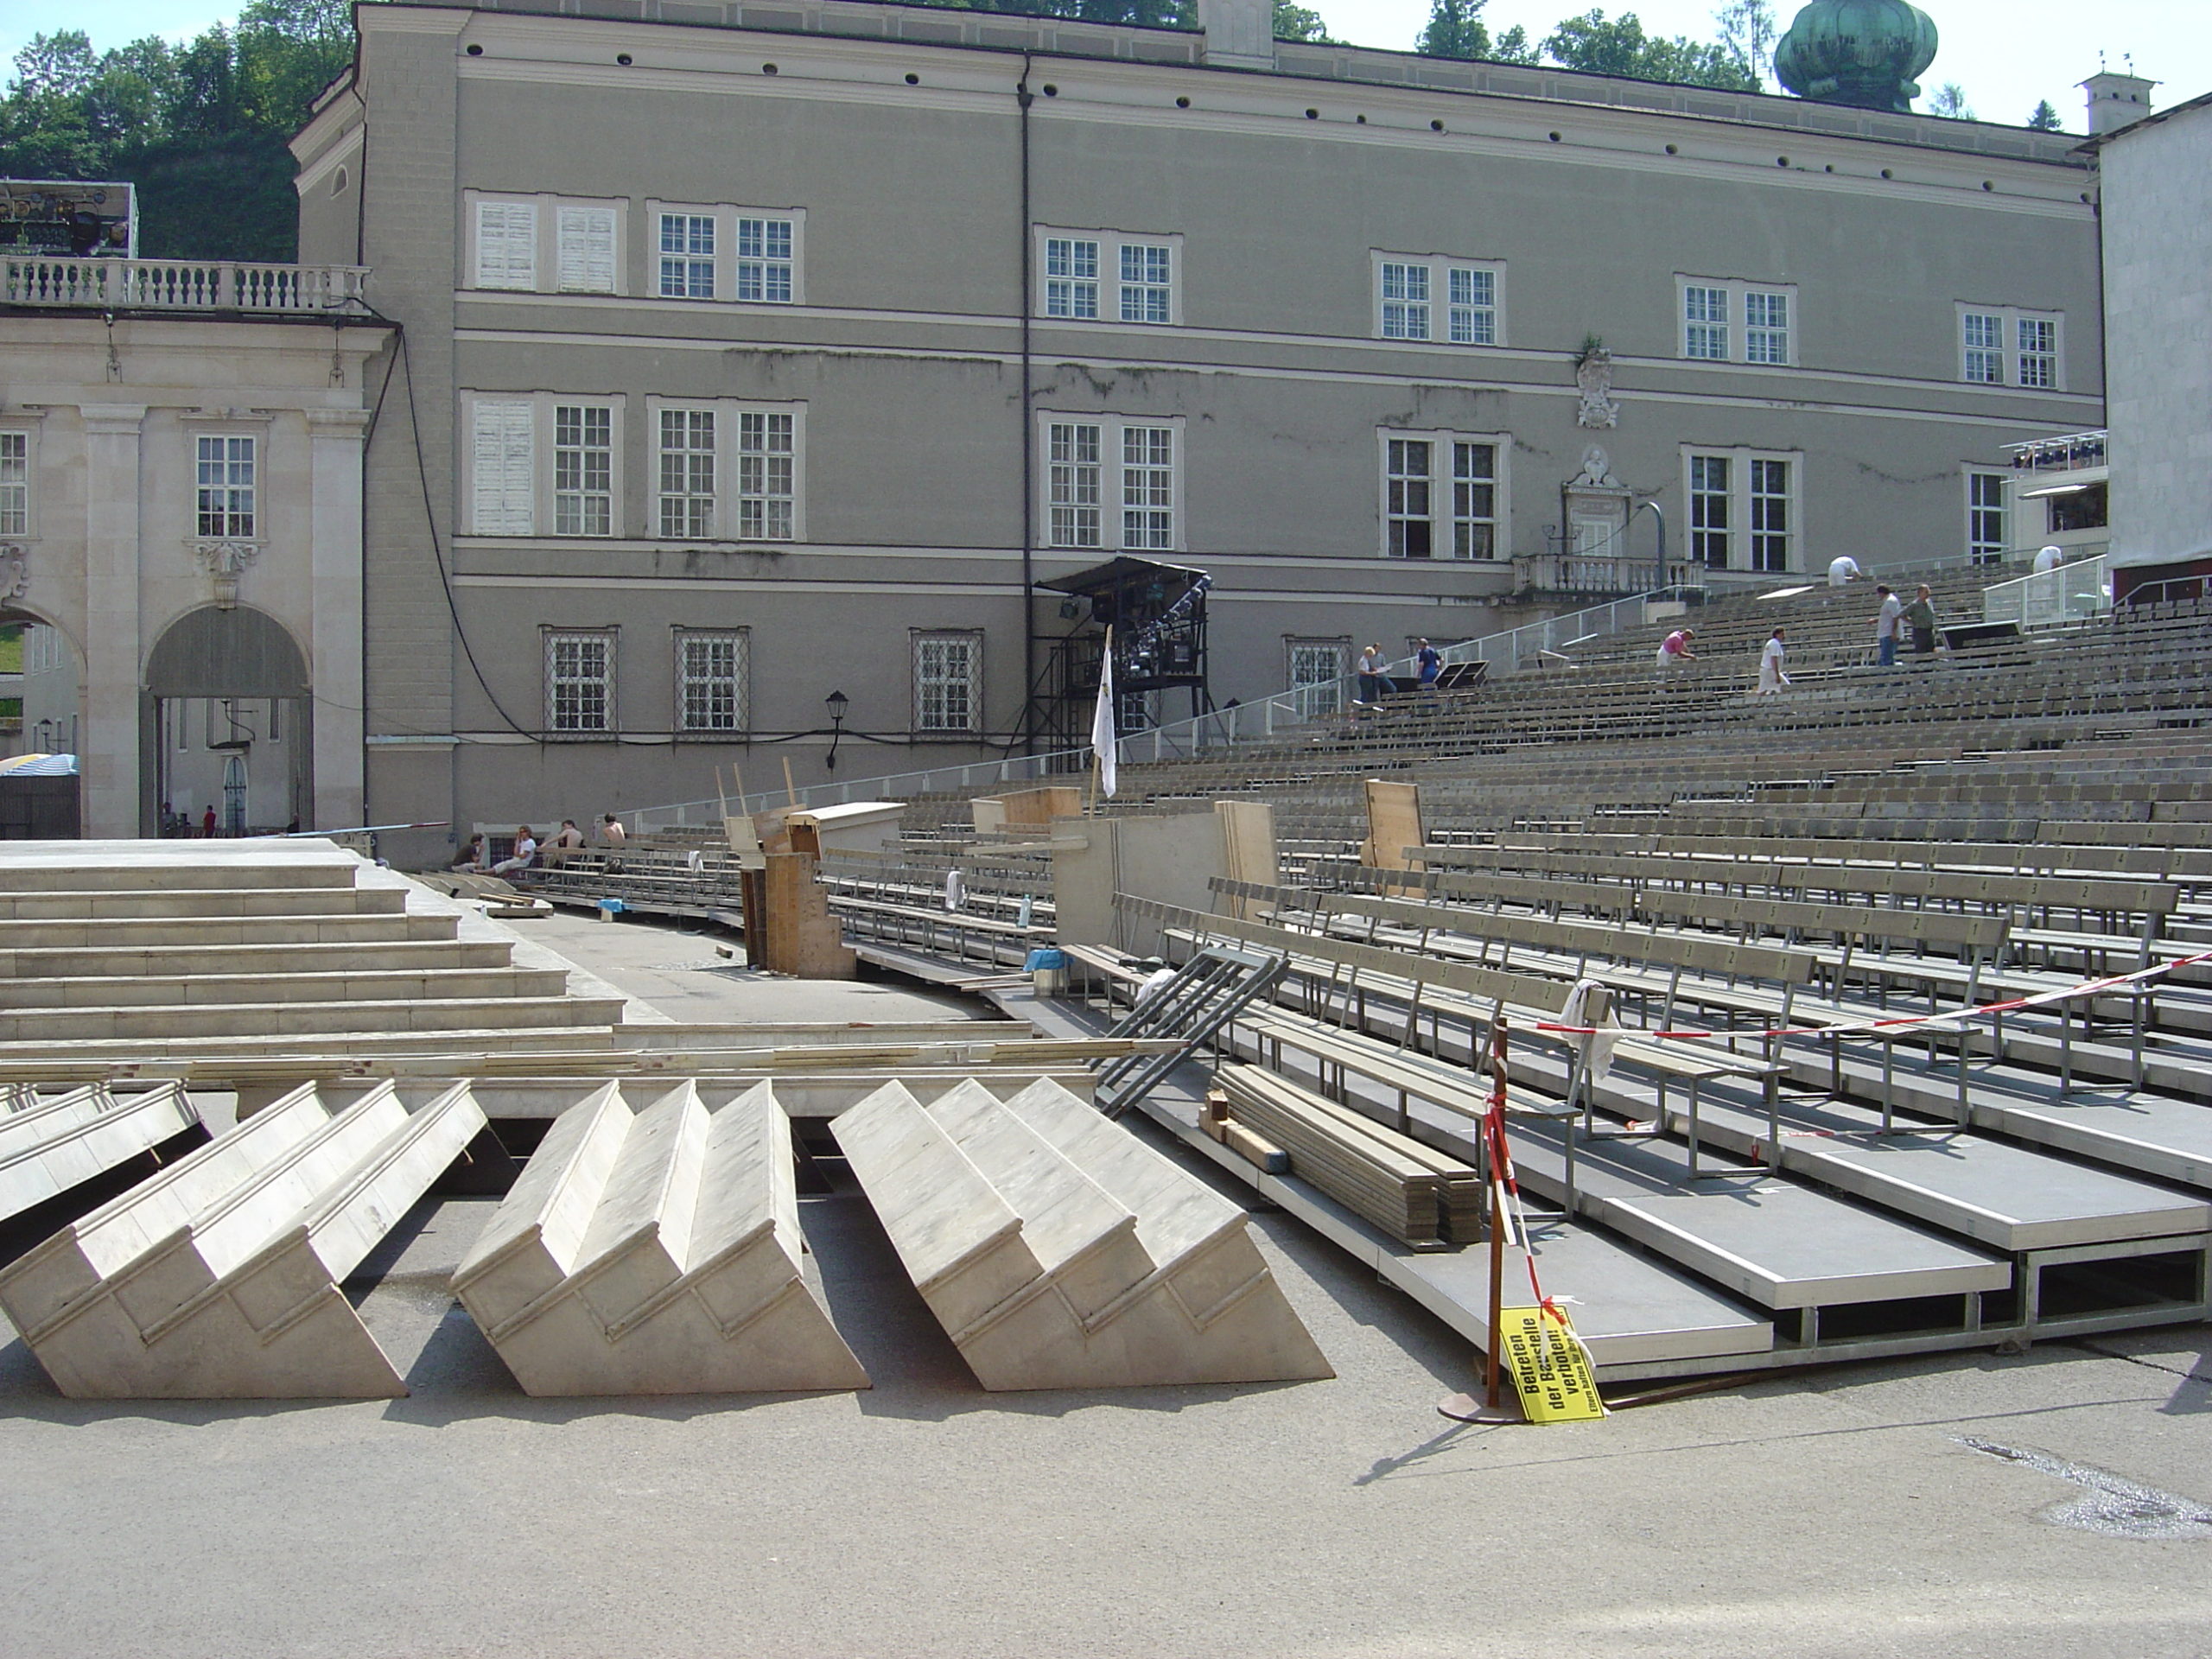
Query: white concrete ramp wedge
[655,1251]
[218,1278]
[51,1144]
[1060,1252]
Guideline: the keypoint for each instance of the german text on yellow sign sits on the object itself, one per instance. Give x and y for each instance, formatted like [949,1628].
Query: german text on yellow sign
[1550,1368]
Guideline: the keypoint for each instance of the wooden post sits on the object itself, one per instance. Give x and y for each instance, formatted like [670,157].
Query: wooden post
[790,788]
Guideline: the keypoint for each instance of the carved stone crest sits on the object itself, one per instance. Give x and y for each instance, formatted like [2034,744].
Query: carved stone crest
[1596,472]
[14,570]
[224,561]
[1593,373]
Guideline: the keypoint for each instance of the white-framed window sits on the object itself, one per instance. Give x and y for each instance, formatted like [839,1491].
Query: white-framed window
[710,680]
[1111,481]
[1771,518]
[580,682]
[1985,515]
[766,259]
[1724,321]
[948,682]
[1435,297]
[224,481]
[1443,495]
[538,463]
[767,485]
[42,648]
[727,471]
[583,469]
[685,441]
[1744,508]
[1316,669]
[1982,336]
[687,255]
[14,483]
[2005,346]
[543,242]
[715,251]
[1100,276]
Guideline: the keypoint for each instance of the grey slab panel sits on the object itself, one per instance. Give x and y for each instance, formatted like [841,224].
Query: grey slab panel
[1780,1244]
[2004,1196]
[2150,1133]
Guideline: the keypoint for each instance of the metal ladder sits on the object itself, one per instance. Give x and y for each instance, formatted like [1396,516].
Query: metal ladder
[1208,991]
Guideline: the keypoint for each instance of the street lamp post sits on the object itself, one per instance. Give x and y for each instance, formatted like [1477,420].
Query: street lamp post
[836,703]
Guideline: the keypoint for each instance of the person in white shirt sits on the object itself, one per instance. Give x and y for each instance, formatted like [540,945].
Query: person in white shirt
[1886,626]
[2049,559]
[1372,685]
[1843,570]
[525,854]
[1772,678]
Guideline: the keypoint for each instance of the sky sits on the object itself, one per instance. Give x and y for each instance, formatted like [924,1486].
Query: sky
[2006,53]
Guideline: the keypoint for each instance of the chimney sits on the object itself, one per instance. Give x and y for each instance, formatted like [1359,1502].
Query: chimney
[2116,101]
[1240,34]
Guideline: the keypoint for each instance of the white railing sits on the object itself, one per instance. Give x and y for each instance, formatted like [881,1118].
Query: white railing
[2052,599]
[178,285]
[1279,716]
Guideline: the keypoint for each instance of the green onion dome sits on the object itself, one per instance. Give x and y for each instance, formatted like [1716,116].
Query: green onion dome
[1866,52]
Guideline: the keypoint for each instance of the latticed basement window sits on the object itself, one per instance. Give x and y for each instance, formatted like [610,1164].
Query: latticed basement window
[580,682]
[948,682]
[710,680]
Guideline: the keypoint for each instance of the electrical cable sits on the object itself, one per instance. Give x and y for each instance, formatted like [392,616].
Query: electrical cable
[437,550]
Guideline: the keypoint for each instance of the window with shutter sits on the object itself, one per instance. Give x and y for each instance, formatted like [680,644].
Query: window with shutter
[502,471]
[506,245]
[587,238]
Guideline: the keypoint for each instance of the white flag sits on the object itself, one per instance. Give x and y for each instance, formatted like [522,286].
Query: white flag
[1103,736]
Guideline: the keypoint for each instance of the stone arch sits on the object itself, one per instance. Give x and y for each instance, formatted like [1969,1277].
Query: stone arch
[229,654]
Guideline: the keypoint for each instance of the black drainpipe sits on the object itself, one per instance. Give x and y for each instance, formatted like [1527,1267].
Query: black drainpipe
[1023,97]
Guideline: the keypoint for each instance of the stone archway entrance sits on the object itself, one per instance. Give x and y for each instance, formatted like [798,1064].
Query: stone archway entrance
[227,724]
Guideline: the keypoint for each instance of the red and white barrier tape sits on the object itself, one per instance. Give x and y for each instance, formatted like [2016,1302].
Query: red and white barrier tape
[1956,1016]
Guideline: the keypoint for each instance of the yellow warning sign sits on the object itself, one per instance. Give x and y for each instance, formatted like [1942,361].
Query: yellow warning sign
[1549,1367]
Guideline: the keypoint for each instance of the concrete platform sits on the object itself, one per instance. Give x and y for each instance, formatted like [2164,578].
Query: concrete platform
[1056,1256]
[219,1277]
[651,1248]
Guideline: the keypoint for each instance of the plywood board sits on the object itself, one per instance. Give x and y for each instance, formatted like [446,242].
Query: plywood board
[1393,824]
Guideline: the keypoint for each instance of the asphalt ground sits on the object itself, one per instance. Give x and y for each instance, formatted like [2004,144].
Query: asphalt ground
[2058,1501]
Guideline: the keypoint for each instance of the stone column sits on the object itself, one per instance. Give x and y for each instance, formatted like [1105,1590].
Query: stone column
[109,750]
[334,542]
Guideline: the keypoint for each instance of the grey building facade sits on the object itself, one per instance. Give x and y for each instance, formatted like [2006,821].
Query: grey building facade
[754,354]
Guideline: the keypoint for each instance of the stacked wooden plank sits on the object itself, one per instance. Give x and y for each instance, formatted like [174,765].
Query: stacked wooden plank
[1412,1192]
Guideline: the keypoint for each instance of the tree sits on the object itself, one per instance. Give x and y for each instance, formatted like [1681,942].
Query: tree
[1299,23]
[1598,46]
[1950,103]
[1747,30]
[1514,47]
[1455,30]
[2045,119]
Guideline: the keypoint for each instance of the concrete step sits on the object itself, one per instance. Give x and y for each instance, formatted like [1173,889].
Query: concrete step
[29,997]
[103,932]
[177,871]
[653,1247]
[274,1020]
[151,1055]
[51,1144]
[1045,1278]
[143,962]
[82,904]
[218,1278]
